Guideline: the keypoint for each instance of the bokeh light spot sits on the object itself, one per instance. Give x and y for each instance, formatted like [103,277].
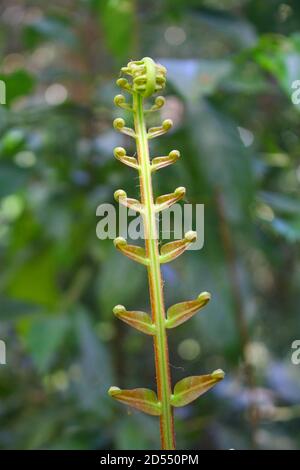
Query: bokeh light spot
[56,94]
[189,349]
[175,36]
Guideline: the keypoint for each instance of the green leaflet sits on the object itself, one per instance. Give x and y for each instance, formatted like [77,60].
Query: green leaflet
[139,320]
[161,162]
[166,201]
[172,250]
[136,253]
[190,388]
[142,399]
[180,313]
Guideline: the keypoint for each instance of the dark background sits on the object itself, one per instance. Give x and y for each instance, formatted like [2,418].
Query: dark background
[231,65]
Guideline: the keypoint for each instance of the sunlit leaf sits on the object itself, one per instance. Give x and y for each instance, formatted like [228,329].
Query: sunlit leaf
[117,20]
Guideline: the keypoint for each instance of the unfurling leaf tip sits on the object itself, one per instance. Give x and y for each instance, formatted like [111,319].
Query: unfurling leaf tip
[190,236]
[174,154]
[160,101]
[120,241]
[167,124]
[204,296]
[118,309]
[218,374]
[113,391]
[119,152]
[180,191]
[123,83]
[119,99]
[120,193]
[118,123]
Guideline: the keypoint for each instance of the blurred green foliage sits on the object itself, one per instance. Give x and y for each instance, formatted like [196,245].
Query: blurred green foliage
[231,65]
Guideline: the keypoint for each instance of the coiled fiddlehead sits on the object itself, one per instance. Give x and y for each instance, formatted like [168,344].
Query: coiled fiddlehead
[145,78]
